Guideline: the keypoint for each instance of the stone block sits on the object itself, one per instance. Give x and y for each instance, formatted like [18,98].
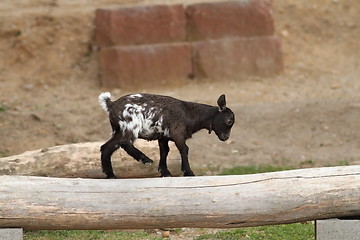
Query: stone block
[234,58]
[11,234]
[146,65]
[241,18]
[335,229]
[140,25]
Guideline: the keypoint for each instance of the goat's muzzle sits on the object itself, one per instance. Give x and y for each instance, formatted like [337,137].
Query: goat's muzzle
[224,136]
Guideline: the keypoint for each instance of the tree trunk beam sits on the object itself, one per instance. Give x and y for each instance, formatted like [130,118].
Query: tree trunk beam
[82,160]
[202,202]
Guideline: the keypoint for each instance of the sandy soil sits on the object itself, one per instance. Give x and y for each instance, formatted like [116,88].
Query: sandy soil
[307,116]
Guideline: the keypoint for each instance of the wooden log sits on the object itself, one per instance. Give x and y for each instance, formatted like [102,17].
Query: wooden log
[211,202]
[82,160]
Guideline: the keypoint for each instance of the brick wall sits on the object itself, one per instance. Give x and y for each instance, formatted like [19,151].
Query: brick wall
[167,44]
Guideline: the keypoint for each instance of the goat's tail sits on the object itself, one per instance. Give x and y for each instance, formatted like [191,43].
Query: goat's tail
[104,100]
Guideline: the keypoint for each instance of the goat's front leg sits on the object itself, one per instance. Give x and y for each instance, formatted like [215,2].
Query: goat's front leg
[136,153]
[184,151]
[164,150]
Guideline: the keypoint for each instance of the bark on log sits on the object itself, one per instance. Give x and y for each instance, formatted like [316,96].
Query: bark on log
[212,202]
[82,160]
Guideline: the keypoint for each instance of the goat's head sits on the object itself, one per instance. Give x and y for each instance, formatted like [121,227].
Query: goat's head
[223,120]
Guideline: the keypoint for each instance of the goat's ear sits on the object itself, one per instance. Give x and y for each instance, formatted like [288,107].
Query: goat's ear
[221,103]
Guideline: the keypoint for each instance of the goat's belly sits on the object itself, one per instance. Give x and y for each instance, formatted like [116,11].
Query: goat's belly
[149,134]
[153,133]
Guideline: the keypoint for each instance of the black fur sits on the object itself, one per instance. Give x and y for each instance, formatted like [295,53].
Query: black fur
[167,119]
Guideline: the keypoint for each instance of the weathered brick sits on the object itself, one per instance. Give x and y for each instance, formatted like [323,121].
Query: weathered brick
[145,66]
[233,58]
[241,18]
[140,25]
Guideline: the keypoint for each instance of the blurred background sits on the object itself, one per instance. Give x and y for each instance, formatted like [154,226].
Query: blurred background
[306,115]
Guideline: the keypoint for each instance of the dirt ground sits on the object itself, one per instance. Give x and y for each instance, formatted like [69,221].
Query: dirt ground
[307,116]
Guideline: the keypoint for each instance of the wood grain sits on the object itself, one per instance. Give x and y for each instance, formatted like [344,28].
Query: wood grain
[211,201]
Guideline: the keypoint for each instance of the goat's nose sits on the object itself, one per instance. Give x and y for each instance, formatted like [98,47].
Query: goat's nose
[224,137]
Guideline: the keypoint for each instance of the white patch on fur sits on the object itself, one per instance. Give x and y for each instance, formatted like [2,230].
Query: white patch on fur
[134,112]
[102,100]
[141,122]
[137,95]
[166,132]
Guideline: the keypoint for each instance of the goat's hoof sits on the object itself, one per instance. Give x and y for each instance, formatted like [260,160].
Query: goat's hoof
[188,174]
[147,161]
[165,173]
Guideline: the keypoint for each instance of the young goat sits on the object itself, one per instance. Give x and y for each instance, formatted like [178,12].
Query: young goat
[162,118]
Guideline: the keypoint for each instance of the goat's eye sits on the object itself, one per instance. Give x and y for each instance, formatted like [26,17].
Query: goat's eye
[229,122]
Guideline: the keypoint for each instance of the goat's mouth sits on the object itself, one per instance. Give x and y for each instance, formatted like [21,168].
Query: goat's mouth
[223,137]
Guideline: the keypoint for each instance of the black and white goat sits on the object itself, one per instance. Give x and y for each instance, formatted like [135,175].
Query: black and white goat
[162,118]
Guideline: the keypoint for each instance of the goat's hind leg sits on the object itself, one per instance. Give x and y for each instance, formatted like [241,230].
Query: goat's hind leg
[136,153]
[107,150]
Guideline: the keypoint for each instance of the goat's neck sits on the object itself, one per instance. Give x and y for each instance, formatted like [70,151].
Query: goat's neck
[204,117]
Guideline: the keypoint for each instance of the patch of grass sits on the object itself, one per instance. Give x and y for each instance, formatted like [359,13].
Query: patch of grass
[37,107]
[241,170]
[296,231]
[4,153]
[2,108]
[307,162]
[343,163]
[339,163]
[87,235]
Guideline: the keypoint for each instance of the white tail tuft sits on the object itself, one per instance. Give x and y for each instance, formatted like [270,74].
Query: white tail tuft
[103,97]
